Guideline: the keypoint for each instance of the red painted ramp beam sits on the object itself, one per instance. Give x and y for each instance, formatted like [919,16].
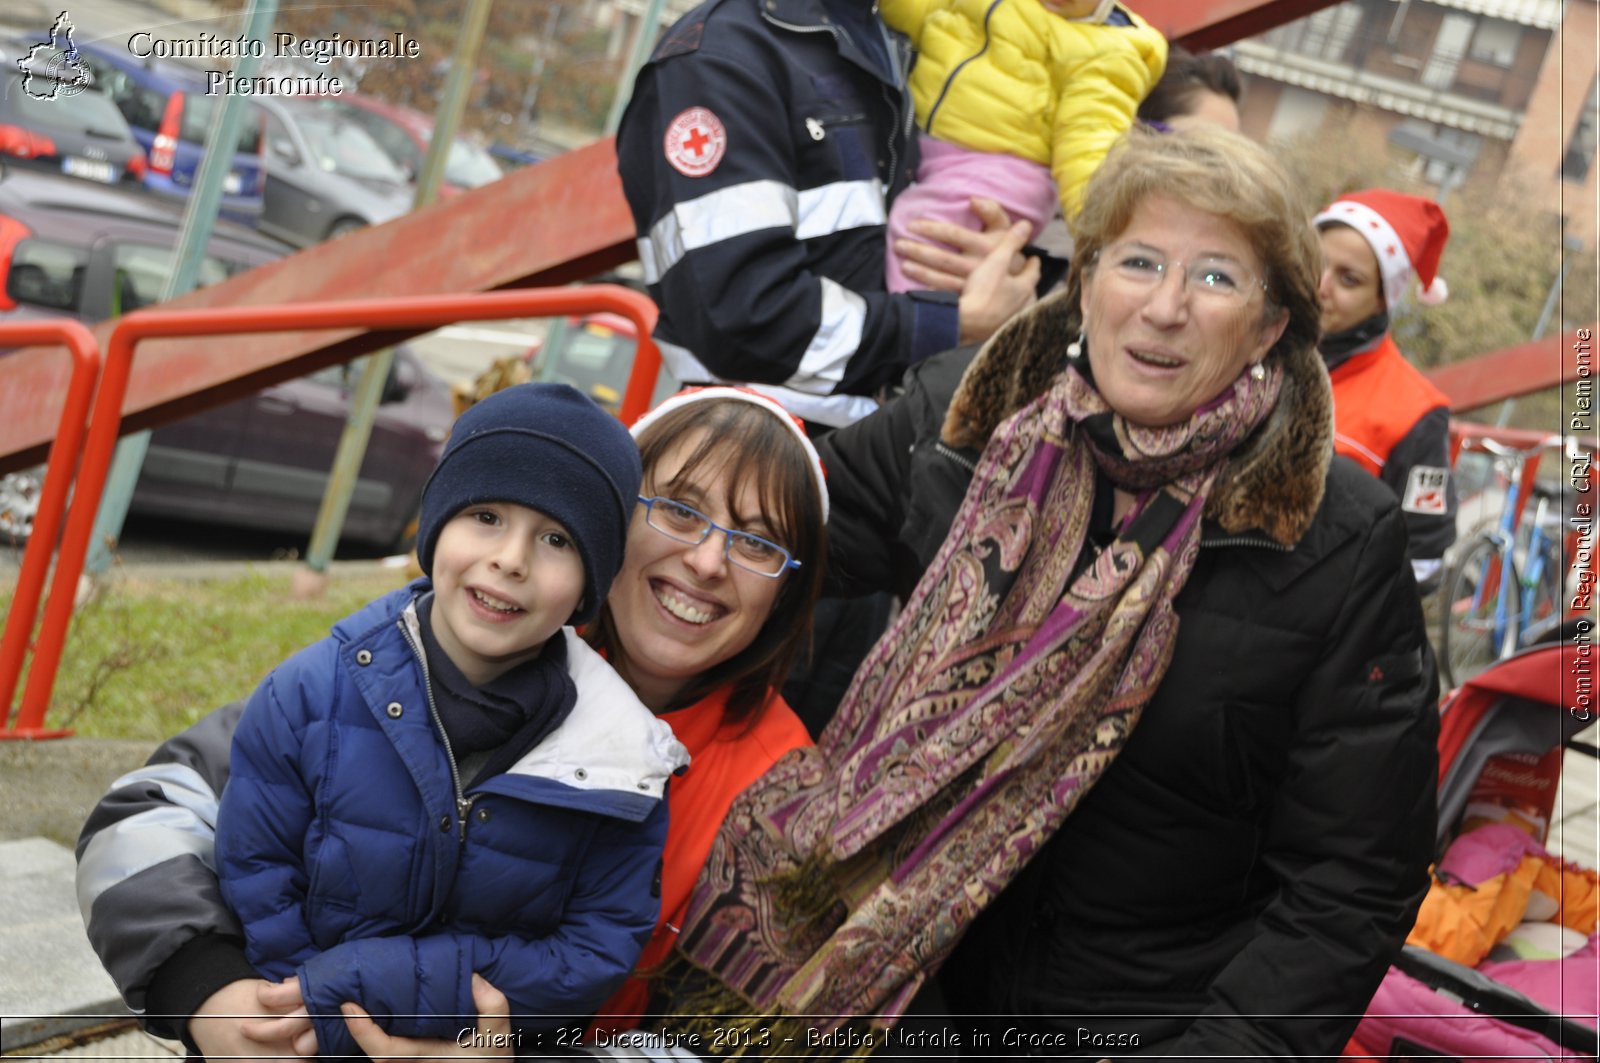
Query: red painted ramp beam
[1201,24]
[559,221]
[1520,370]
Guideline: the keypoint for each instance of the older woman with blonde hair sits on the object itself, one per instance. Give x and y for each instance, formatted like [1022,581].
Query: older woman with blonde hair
[1147,762]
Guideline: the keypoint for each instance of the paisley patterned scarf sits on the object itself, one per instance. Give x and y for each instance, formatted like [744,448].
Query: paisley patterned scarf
[1011,679]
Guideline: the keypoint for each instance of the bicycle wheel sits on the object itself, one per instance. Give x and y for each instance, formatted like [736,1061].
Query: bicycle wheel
[1466,625]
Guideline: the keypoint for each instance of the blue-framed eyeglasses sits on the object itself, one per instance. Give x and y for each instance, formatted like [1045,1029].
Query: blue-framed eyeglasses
[688,525]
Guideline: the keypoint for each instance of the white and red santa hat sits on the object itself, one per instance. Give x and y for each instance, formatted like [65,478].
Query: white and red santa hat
[689,396]
[1406,233]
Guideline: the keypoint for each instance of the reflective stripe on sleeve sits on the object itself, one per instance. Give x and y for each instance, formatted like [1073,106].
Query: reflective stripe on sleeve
[752,207]
[822,365]
[833,410]
[186,827]
[838,336]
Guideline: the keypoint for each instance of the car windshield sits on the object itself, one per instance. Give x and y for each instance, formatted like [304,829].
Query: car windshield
[89,112]
[591,347]
[469,166]
[48,274]
[198,113]
[141,272]
[341,147]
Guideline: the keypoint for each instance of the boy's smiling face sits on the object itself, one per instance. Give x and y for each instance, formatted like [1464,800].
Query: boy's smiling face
[505,579]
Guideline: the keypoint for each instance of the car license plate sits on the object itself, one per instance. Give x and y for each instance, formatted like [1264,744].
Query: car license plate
[232,183]
[93,169]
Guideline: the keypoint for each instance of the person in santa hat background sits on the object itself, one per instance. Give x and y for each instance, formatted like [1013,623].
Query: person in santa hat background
[1387,416]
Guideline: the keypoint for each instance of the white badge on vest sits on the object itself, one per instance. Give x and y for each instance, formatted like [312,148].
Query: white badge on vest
[1425,491]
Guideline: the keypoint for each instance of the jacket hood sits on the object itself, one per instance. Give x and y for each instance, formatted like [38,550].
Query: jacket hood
[610,740]
[1272,483]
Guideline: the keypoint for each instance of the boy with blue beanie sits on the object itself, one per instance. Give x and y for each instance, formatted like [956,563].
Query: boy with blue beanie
[453,782]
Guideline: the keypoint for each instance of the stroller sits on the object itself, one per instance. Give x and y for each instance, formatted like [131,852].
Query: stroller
[1499,902]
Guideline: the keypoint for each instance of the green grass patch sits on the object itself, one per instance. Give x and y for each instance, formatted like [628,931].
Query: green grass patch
[145,658]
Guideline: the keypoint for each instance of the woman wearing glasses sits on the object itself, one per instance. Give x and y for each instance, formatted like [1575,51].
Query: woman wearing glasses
[711,607]
[1146,765]
[709,612]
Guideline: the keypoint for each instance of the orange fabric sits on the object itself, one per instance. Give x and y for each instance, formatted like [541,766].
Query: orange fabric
[1462,923]
[1576,890]
[1378,397]
[724,759]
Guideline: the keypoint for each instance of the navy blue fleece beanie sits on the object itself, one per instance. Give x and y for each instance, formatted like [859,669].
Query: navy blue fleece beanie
[547,447]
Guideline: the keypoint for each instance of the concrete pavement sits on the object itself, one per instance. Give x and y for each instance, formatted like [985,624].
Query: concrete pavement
[52,982]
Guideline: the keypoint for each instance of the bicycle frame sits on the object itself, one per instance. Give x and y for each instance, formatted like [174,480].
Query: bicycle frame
[1502,576]
[1514,599]
[1537,556]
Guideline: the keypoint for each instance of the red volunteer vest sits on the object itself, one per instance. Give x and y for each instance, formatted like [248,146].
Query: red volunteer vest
[1378,397]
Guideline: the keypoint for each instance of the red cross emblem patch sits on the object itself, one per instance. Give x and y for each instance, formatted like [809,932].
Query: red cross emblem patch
[695,142]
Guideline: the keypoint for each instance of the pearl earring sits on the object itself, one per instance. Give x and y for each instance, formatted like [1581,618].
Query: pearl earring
[1075,348]
[1258,372]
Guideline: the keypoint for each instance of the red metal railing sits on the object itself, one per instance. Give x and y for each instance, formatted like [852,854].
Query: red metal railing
[64,451]
[424,312]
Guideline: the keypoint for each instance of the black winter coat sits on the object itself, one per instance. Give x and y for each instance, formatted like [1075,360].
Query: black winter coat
[1239,879]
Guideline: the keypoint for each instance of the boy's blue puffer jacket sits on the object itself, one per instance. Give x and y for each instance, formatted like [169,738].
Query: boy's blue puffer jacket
[352,859]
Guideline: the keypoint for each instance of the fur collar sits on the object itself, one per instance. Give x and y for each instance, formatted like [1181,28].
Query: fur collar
[1273,483]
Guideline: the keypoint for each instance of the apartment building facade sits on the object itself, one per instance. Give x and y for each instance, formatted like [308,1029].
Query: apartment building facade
[1475,89]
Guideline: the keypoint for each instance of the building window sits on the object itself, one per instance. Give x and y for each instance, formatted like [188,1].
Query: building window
[1580,149]
[1448,49]
[1324,35]
[1496,41]
[1444,156]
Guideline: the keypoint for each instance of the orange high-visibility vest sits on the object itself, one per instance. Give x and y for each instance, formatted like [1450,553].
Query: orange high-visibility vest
[1378,397]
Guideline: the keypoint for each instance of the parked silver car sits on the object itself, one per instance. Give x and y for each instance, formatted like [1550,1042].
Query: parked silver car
[325,174]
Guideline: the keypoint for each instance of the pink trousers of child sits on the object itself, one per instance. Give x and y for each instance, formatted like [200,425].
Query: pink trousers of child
[949,177]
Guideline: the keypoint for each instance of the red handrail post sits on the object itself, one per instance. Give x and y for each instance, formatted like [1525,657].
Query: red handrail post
[642,377]
[399,314]
[70,431]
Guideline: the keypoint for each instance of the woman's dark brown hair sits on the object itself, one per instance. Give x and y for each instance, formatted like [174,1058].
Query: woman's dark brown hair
[1186,76]
[754,447]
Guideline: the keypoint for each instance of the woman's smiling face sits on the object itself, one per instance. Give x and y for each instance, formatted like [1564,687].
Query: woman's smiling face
[681,610]
[1173,312]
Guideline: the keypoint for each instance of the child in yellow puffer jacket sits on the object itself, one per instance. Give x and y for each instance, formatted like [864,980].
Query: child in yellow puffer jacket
[1017,101]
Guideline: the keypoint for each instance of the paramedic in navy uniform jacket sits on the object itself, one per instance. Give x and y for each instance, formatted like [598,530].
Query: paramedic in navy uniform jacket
[758,152]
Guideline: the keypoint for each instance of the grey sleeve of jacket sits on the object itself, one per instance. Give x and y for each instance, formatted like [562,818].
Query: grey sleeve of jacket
[1351,833]
[146,881]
